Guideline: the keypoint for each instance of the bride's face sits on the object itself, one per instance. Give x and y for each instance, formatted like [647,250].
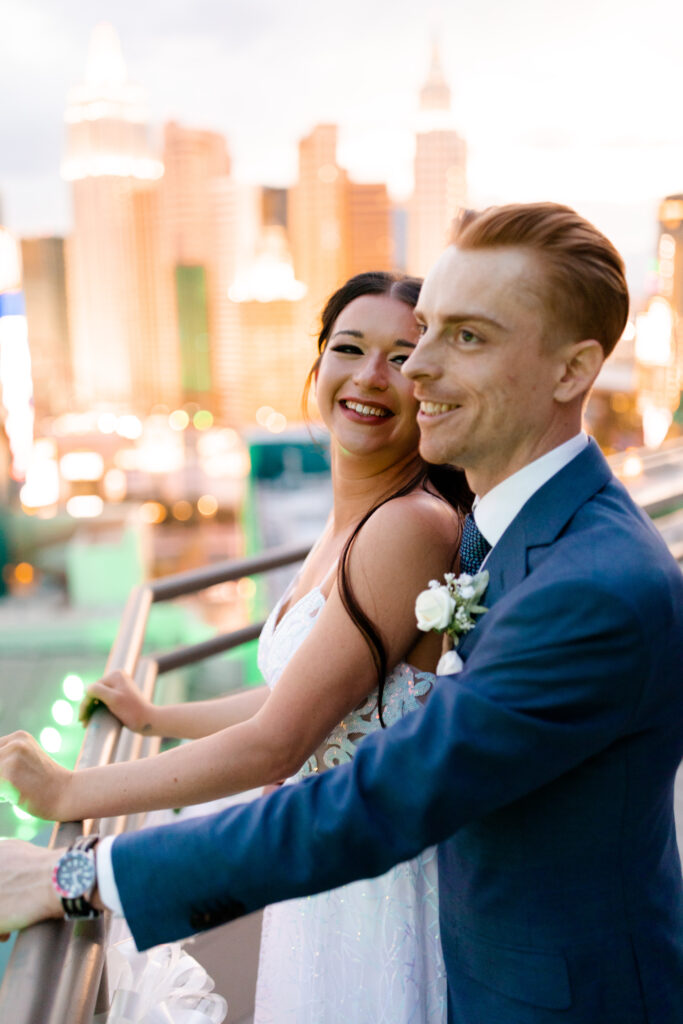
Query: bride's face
[364,399]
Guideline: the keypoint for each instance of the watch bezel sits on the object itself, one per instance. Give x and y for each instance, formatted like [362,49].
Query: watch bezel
[76,900]
[81,857]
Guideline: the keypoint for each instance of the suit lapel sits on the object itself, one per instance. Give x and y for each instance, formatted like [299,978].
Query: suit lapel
[540,522]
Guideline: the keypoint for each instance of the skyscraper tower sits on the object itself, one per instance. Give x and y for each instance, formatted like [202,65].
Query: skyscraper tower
[319,217]
[369,225]
[195,162]
[112,286]
[440,172]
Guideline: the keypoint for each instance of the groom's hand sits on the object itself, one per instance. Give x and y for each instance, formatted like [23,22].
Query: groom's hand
[26,891]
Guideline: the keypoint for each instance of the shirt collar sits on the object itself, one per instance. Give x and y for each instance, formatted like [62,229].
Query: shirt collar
[495,511]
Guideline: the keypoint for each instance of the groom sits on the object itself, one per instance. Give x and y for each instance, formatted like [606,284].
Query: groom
[545,769]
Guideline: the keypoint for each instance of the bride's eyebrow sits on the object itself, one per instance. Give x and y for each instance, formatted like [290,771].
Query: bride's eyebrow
[354,334]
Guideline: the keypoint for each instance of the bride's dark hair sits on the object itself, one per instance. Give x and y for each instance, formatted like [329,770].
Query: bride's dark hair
[445,481]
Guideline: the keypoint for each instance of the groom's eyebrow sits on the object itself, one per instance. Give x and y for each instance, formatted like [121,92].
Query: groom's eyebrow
[460,318]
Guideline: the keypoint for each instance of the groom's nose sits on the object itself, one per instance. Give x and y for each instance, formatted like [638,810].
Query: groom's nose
[420,363]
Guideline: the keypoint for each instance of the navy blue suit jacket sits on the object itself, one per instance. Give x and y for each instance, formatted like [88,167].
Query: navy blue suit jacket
[544,770]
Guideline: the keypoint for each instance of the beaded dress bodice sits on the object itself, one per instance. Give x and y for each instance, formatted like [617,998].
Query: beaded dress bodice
[404,689]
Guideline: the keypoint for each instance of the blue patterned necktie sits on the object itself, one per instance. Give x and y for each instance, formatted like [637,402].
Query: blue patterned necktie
[473,547]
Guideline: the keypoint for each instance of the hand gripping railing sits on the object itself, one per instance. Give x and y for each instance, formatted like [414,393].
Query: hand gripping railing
[55,972]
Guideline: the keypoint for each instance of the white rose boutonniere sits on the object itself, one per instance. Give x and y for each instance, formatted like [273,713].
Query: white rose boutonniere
[450,609]
[434,608]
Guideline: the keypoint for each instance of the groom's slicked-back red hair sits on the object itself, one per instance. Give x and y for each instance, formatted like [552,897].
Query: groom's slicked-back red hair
[582,283]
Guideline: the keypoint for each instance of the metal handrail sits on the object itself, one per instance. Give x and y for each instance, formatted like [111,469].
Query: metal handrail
[54,973]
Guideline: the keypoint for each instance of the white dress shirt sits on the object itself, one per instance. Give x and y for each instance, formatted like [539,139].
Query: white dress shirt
[495,511]
[493,514]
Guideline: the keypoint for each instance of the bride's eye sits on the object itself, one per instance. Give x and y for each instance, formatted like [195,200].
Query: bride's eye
[400,359]
[348,349]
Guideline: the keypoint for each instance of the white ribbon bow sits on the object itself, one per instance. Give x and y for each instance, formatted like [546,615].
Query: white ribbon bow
[164,985]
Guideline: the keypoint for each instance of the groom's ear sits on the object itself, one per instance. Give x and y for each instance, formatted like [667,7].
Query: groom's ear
[578,366]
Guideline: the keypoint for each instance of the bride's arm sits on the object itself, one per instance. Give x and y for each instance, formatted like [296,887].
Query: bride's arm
[402,546]
[182,721]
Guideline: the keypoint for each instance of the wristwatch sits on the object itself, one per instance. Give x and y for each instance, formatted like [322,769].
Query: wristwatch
[74,878]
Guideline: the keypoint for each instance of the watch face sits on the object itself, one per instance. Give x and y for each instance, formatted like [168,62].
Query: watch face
[75,874]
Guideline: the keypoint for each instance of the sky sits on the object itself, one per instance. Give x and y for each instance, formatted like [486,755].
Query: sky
[579,102]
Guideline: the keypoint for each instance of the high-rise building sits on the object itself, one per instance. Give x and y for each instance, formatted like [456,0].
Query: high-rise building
[670,251]
[659,331]
[109,161]
[193,160]
[440,173]
[318,217]
[271,350]
[48,328]
[370,243]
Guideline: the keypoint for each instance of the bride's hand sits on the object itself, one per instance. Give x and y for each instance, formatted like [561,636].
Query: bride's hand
[118,691]
[32,780]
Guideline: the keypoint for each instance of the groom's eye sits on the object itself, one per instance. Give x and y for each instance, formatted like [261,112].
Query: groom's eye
[469,337]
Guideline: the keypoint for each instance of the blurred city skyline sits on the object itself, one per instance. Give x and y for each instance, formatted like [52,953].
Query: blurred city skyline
[577,105]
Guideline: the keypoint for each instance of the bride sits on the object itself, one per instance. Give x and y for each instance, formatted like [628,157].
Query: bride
[341,656]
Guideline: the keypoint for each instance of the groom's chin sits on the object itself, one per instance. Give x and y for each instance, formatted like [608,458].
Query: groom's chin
[432,453]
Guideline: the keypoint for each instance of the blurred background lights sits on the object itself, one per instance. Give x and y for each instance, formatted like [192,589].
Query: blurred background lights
[24,573]
[203,419]
[227,465]
[152,512]
[178,420]
[276,423]
[81,466]
[654,333]
[182,510]
[207,505]
[42,484]
[22,815]
[632,467]
[656,422]
[115,485]
[246,587]
[73,687]
[50,739]
[106,422]
[85,506]
[129,427]
[62,712]
[263,413]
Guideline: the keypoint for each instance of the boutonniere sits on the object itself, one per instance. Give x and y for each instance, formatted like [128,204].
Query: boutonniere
[450,608]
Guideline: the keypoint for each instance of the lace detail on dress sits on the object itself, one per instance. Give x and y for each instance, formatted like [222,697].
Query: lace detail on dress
[403,687]
[369,952]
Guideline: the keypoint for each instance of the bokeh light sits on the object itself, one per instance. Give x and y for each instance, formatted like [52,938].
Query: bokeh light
[24,573]
[62,712]
[203,419]
[207,505]
[85,506]
[50,739]
[73,687]
[182,510]
[152,512]
[178,420]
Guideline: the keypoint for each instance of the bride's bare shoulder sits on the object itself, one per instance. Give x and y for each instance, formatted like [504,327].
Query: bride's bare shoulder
[411,522]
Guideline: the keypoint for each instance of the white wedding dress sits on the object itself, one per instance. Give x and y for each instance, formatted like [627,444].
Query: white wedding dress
[368,952]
